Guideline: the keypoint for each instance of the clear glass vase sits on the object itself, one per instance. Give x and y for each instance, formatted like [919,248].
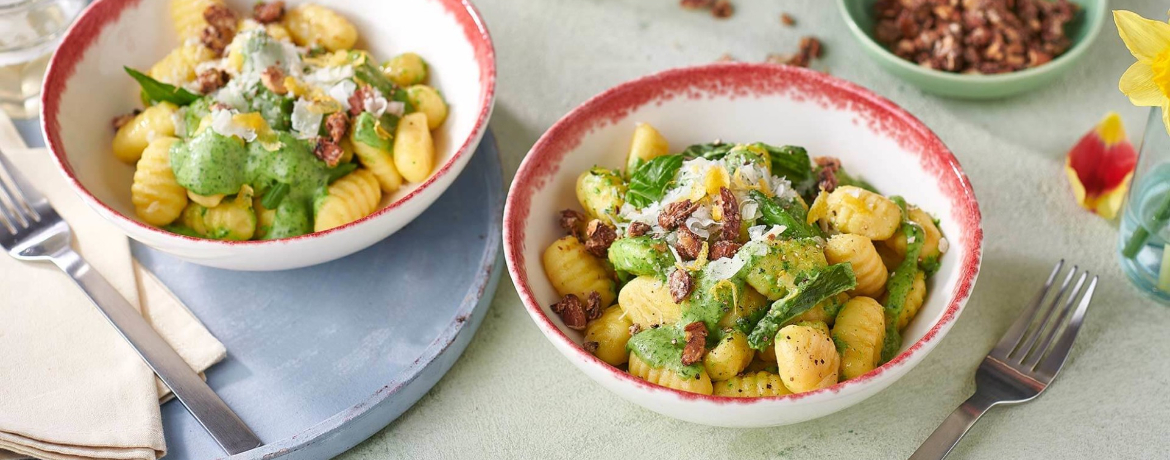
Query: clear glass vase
[1145,224]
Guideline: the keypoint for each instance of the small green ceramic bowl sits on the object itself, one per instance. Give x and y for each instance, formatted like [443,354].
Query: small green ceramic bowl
[861,18]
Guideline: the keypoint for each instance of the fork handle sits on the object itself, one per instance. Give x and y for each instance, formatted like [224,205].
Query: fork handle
[948,434]
[228,430]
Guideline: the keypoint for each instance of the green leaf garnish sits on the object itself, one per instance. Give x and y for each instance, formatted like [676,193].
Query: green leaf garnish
[828,282]
[275,194]
[157,91]
[648,183]
[339,171]
[788,213]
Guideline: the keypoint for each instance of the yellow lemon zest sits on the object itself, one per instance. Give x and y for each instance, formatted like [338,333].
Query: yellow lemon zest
[726,283]
[716,179]
[698,263]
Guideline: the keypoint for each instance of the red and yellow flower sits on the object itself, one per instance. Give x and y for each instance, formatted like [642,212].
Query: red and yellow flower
[1100,166]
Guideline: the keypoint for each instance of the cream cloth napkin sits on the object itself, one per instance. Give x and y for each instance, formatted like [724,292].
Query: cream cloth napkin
[70,387]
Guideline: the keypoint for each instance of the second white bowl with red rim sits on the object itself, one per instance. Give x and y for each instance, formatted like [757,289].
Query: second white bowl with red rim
[741,102]
[85,86]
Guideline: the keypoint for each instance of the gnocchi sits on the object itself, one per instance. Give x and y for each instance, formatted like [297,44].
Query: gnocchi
[254,102]
[727,282]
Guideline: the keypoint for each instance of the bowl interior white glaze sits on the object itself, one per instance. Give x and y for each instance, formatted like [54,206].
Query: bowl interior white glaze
[746,103]
[87,86]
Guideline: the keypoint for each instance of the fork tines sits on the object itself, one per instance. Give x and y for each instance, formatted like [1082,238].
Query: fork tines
[1028,346]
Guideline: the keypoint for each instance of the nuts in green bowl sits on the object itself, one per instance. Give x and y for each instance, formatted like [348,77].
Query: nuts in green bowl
[862,18]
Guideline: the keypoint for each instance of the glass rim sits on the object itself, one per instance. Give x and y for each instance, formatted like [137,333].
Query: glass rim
[22,4]
[48,41]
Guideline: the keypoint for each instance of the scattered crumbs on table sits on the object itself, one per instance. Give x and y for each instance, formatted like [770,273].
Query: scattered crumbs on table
[726,57]
[810,48]
[787,19]
[721,9]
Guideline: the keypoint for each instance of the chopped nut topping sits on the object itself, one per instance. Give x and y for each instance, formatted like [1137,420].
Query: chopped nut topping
[723,249]
[689,245]
[572,222]
[827,175]
[676,214]
[593,306]
[211,80]
[119,121]
[273,79]
[268,12]
[220,106]
[357,101]
[221,28]
[571,311]
[336,124]
[681,284]
[590,346]
[975,36]
[328,151]
[722,9]
[635,329]
[731,220]
[598,237]
[787,19]
[696,337]
[637,229]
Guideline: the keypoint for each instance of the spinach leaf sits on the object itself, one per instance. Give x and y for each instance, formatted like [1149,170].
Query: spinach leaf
[365,130]
[710,151]
[901,281]
[370,74]
[274,108]
[844,178]
[157,91]
[274,195]
[649,181]
[339,171]
[788,213]
[828,282]
[792,163]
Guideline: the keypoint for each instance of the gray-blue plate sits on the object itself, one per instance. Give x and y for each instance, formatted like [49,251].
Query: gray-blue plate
[322,357]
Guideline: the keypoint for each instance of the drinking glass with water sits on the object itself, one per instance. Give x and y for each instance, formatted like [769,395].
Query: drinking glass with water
[29,32]
[1145,223]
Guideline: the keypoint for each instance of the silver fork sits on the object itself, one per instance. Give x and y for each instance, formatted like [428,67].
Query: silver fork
[30,229]
[1022,364]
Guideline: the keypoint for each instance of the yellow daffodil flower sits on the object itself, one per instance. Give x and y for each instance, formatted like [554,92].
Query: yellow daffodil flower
[1147,81]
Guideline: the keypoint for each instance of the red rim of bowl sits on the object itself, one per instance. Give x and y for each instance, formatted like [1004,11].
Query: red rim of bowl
[89,25]
[741,80]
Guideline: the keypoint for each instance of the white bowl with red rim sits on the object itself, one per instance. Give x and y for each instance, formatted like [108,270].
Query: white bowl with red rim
[85,86]
[741,102]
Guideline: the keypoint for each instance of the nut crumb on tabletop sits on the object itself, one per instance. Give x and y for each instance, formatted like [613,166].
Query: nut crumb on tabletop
[787,19]
[722,9]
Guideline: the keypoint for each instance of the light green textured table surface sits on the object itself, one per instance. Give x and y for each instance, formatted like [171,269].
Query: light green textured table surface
[512,395]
